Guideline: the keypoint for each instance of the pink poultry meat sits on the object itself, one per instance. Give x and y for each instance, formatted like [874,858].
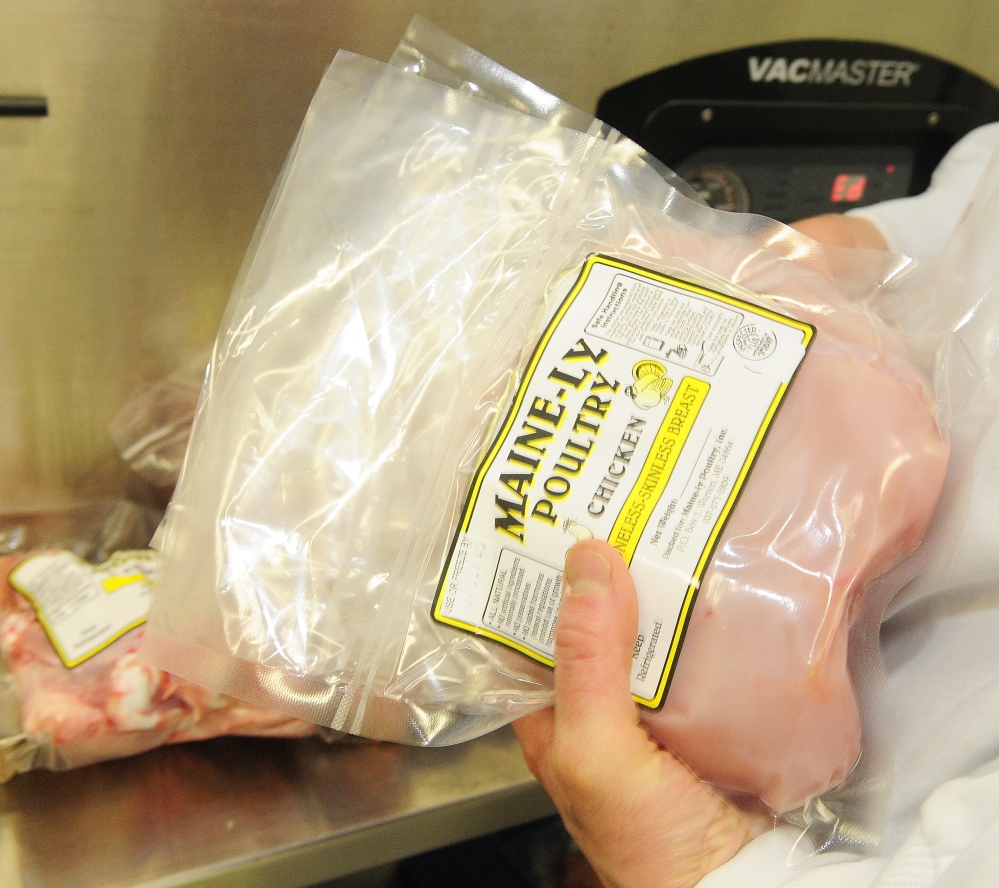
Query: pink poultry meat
[762,701]
[112,705]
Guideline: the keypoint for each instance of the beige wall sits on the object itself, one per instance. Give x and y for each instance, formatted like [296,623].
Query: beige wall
[125,213]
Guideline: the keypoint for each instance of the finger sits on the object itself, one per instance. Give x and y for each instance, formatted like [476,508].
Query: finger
[616,789]
[534,733]
[838,230]
[594,641]
[595,636]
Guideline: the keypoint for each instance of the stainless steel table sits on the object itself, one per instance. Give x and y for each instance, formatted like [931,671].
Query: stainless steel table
[257,813]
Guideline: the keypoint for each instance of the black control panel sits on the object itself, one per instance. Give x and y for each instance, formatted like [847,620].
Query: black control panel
[794,181]
[793,129]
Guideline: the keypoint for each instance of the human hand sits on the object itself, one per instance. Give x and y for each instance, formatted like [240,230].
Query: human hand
[838,230]
[639,815]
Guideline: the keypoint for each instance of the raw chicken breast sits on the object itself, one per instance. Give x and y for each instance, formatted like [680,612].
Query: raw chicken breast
[761,701]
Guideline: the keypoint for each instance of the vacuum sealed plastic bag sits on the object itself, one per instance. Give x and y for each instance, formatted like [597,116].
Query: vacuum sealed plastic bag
[429,51]
[466,337]
[72,691]
[152,429]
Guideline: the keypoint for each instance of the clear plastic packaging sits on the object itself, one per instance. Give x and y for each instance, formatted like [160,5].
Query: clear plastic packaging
[958,291]
[429,51]
[153,427]
[421,244]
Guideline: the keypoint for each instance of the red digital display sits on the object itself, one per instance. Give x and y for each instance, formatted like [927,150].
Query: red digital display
[848,188]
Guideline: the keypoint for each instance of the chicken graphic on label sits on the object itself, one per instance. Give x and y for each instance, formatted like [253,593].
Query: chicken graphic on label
[650,386]
[577,530]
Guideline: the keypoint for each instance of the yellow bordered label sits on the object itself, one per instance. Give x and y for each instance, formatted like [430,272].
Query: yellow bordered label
[648,383]
[658,466]
[85,608]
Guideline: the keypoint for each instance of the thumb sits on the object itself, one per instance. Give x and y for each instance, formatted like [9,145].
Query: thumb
[640,817]
[594,641]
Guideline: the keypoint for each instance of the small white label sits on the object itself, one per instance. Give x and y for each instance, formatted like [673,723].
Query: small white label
[524,600]
[637,421]
[84,608]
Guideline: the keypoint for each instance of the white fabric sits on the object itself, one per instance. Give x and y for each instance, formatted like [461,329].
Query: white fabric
[918,226]
[941,641]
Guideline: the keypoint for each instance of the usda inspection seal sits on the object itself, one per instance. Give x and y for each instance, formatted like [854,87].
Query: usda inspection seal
[754,343]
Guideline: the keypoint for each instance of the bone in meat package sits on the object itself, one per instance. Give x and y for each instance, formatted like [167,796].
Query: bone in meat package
[465,338]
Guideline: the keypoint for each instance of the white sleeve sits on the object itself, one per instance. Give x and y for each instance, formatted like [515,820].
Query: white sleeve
[772,861]
[919,226]
[955,844]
